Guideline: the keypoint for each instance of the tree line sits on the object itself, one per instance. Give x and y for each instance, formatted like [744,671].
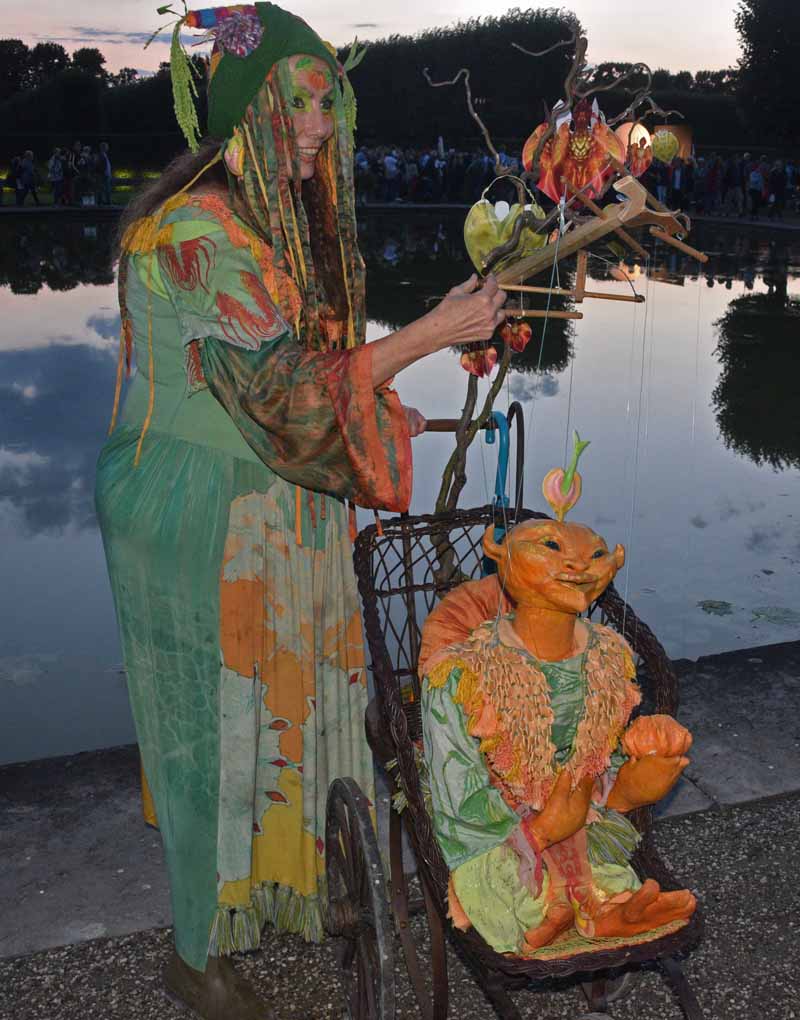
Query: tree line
[48,96]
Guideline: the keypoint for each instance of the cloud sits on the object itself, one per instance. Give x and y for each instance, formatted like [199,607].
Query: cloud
[106,326]
[366,24]
[52,433]
[88,33]
[526,387]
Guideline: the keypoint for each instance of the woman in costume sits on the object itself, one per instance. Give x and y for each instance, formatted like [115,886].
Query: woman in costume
[256,412]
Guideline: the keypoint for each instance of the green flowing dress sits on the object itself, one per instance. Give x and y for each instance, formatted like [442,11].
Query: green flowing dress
[229,552]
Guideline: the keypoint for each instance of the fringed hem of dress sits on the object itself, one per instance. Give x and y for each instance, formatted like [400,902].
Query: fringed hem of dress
[239,929]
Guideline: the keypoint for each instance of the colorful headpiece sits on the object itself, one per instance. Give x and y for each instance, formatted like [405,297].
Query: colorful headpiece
[248,40]
[562,489]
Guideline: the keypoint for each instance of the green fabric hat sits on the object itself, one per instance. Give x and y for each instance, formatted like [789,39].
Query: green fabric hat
[236,79]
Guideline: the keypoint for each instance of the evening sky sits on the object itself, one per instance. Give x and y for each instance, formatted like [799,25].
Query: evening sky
[675,34]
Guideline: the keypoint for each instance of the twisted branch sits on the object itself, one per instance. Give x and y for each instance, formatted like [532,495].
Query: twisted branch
[542,53]
[500,170]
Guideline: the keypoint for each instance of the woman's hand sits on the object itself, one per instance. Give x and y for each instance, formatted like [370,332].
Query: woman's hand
[468,314]
[416,421]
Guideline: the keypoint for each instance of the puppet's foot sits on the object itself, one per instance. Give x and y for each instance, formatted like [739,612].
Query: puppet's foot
[646,909]
[218,994]
[559,917]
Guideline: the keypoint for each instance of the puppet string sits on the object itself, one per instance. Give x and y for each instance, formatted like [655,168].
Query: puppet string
[636,449]
[692,460]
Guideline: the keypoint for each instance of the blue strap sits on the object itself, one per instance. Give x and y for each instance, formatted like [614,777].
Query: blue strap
[500,482]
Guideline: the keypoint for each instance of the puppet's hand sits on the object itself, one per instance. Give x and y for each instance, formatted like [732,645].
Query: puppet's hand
[656,734]
[643,781]
[416,421]
[563,814]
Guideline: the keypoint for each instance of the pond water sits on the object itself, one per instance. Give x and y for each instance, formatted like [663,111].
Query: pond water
[690,401]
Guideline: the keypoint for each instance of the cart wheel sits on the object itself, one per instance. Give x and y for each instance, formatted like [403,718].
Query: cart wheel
[614,988]
[358,910]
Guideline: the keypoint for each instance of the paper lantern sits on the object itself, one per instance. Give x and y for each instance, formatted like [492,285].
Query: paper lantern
[638,146]
[665,146]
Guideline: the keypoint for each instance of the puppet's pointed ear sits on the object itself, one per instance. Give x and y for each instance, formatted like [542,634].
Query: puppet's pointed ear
[619,557]
[490,547]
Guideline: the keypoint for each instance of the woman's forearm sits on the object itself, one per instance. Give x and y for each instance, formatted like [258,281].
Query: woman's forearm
[467,314]
[391,354]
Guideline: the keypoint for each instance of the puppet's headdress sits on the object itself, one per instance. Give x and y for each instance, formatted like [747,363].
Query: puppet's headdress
[562,489]
[249,39]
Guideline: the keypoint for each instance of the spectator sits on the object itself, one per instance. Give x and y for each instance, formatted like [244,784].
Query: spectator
[391,177]
[714,185]
[26,180]
[662,182]
[777,191]
[55,175]
[700,181]
[755,189]
[733,195]
[412,176]
[102,166]
[676,183]
[86,176]
[455,178]
[70,173]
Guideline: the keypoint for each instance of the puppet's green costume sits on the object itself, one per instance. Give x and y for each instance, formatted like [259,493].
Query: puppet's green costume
[220,494]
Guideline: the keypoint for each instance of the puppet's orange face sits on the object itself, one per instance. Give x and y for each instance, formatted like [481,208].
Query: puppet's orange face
[557,566]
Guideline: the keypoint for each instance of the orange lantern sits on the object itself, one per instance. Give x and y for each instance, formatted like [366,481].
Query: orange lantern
[638,146]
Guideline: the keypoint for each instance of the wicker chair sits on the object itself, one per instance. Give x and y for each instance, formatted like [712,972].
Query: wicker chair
[402,572]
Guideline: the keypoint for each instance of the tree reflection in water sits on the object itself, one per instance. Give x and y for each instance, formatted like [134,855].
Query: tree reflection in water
[413,260]
[755,399]
[37,251]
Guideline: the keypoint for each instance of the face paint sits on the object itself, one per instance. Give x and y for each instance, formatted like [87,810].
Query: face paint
[311,105]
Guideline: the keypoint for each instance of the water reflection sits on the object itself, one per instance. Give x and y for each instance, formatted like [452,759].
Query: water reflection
[690,401]
[755,400]
[60,255]
[50,432]
[413,261]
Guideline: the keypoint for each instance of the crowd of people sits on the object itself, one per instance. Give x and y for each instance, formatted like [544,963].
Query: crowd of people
[732,185]
[715,185]
[75,176]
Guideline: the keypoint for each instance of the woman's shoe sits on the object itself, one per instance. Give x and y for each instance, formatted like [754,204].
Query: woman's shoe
[219,993]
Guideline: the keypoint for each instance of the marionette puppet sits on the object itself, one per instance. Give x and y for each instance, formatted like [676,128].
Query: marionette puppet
[532,758]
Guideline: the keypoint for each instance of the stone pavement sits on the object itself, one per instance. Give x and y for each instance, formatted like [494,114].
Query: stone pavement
[80,872]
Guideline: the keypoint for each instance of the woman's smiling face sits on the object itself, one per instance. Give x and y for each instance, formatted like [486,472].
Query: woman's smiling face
[311,104]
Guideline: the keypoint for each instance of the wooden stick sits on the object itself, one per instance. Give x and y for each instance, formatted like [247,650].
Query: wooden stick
[535,313]
[447,425]
[686,248]
[580,276]
[607,296]
[527,289]
[623,235]
[580,237]
[600,295]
